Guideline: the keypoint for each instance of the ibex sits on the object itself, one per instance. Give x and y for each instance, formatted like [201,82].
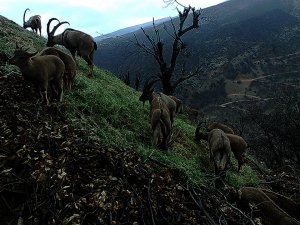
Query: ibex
[223,127]
[160,122]
[214,125]
[34,22]
[149,94]
[219,147]
[70,64]
[274,209]
[74,41]
[238,147]
[40,70]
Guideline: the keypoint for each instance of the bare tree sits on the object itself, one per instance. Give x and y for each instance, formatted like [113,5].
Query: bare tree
[171,2]
[156,49]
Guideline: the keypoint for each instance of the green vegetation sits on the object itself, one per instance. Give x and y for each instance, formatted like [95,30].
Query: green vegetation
[110,110]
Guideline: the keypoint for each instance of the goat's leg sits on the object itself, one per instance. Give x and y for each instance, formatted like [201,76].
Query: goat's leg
[53,88]
[91,56]
[90,72]
[90,64]
[59,83]
[172,117]
[43,91]
[73,51]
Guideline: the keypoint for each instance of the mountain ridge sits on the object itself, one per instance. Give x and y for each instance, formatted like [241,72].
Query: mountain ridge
[239,34]
[128,30]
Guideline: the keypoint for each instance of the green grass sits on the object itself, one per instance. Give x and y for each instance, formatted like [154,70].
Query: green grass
[109,108]
[115,117]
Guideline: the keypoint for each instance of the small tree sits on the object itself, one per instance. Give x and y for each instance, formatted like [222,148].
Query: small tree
[156,49]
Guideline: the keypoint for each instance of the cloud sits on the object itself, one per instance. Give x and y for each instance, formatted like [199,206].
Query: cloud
[94,16]
[137,20]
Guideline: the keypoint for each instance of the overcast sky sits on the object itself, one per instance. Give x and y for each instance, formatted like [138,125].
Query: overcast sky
[95,17]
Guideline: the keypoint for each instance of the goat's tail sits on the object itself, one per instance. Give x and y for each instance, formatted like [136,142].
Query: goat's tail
[95,45]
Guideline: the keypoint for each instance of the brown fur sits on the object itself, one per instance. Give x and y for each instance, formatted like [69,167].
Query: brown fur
[70,64]
[148,94]
[285,203]
[221,126]
[170,103]
[238,147]
[219,147]
[74,41]
[41,70]
[271,213]
[179,106]
[33,22]
[213,125]
[160,122]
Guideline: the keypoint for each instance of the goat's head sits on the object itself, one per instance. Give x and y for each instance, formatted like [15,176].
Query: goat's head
[20,56]
[200,135]
[50,41]
[148,90]
[201,132]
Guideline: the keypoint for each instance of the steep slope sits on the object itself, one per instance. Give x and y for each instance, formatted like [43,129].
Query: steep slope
[89,160]
[237,40]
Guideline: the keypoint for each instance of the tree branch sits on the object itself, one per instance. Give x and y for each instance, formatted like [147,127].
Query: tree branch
[181,79]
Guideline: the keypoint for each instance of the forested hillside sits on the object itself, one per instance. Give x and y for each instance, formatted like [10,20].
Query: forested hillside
[236,40]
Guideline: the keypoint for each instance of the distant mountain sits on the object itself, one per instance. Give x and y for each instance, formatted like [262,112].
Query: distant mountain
[242,40]
[128,30]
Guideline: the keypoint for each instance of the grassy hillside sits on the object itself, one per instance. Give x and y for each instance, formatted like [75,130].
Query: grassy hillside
[69,154]
[111,111]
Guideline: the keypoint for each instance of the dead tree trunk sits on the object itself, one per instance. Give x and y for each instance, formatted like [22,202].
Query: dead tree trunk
[156,49]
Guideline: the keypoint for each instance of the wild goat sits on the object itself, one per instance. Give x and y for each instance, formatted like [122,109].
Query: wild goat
[70,64]
[270,209]
[238,147]
[223,127]
[34,22]
[149,94]
[213,125]
[74,41]
[41,70]
[285,203]
[219,146]
[160,122]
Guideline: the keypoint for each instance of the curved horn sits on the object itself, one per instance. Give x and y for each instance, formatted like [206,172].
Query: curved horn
[24,15]
[56,26]
[48,25]
[32,54]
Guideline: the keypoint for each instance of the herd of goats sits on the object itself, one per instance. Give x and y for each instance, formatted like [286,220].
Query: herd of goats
[51,65]
[58,69]
[220,137]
